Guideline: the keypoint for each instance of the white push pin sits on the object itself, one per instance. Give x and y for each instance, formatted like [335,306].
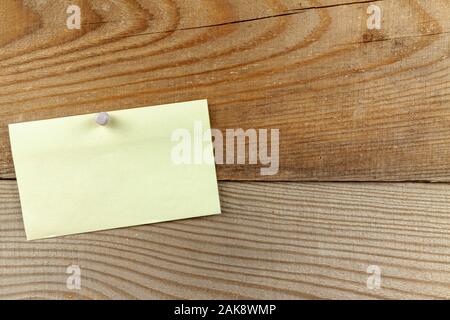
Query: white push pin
[102,118]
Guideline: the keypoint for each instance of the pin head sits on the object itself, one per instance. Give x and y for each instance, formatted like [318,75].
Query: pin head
[102,118]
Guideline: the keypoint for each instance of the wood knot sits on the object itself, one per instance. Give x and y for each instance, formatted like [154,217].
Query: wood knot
[373,35]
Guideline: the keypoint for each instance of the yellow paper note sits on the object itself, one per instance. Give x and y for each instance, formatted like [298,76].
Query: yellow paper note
[76,176]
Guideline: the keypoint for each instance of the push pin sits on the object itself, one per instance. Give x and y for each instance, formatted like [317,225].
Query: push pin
[102,118]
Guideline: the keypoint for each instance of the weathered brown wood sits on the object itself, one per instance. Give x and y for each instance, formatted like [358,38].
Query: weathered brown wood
[351,104]
[273,240]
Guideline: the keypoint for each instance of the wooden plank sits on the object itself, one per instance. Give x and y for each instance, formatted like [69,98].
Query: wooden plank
[351,104]
[273,240]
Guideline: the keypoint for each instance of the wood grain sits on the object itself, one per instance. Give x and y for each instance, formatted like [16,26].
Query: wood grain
[351,104]
[273,241]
